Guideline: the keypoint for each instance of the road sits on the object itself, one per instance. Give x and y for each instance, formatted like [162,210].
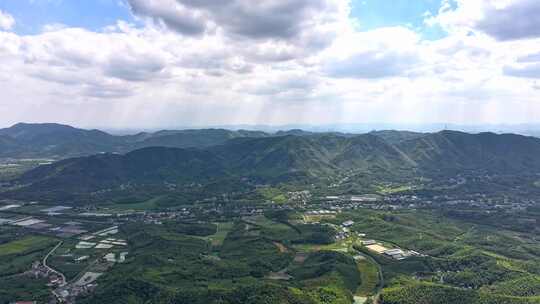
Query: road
[62,276]
[51,269]
[380,284]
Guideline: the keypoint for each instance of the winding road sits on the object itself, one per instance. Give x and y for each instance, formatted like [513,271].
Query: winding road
[380,284]
[51,269]
[62,276]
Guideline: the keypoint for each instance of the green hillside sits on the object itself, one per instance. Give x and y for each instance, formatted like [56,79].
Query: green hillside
[310,158]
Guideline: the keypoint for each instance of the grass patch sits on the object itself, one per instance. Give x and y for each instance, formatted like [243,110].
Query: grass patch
[273,194]
[342,246]
[17,256]
[369,277]
[138,206]
[223,230]
[24,245]
[393,190]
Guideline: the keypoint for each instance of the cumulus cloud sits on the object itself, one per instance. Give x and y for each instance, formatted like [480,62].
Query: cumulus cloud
[121,55]
[6,21]
[535,57]
[372,64]
[378,53]
[137,67]
[229,62]
[94,64]
[283,83]
[528,71]
[170,14]
[267,30]
[107,91]
[504,20]
[526,66]
[265,19]
[517,19]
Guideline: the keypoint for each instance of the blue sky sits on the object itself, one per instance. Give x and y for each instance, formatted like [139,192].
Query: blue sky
[373,14]
[32,15]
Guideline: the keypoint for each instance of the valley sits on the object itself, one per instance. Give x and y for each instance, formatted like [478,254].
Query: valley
[310,218]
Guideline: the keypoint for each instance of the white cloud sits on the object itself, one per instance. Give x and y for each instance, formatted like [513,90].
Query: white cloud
[528,71]
[526,66]
[170,14]
[315,68]
[271,30]
[502,19]
[54,27]
[264,19]
[6,21]
[379,53]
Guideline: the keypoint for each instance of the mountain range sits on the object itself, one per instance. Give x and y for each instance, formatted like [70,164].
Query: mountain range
[219,155]
[61,141]
[56,141]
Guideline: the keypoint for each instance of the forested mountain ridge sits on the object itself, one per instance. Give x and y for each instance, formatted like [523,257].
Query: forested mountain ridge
[295,158]
[457,151]
[61,141]
[57,141]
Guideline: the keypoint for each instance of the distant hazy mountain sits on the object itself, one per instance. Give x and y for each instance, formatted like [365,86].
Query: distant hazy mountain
[286,158]
[361,128]
[394,137]
[299,132]
[61,141]
[54,140]
[192,138]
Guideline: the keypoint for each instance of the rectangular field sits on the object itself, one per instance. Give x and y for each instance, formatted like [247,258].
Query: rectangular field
[377,248]
[223,230]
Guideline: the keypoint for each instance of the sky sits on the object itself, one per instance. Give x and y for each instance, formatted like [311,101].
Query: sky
[169,63]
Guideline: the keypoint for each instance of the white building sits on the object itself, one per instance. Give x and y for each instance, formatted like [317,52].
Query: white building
[348,224]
